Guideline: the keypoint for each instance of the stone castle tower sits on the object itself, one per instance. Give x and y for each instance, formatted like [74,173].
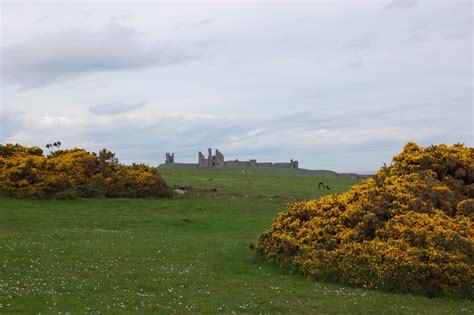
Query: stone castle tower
[169,158]
[212,160]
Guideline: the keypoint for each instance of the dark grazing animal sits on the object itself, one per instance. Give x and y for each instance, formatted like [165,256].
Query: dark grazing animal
[321,184]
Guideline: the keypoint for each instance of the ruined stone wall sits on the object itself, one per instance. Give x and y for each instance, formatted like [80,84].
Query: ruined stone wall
[237,163]
[202,162]
[283,165]
[186,165]
[265,164]
[217,160]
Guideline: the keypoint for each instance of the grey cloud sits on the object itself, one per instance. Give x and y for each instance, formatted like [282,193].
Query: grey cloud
[88,14]
[41,19]
[354,64]
[200,23]
[208,43]
[67,54]
[408,115]
[11,122]
[358,44]
[256,74]
[121,18]
[418,38]
[146,136]
[460,34]
[206,21]
[420,26]
[174,132]
[300,117]
[115,108]
[402,4]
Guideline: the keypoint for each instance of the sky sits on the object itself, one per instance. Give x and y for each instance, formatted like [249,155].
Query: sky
[339,85]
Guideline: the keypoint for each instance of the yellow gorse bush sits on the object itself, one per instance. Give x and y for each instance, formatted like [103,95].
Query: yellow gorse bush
[26,172]
[408,228]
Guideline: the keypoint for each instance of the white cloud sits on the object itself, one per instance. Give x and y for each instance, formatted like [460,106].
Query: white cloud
[152,134]
[272,81]
[402,4]
[70,53]
[115,108]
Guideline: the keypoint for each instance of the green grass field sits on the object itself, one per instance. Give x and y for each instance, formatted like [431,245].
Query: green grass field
[184,254]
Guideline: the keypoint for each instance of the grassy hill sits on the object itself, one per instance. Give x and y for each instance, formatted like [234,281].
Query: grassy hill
[185,254]
[285,183]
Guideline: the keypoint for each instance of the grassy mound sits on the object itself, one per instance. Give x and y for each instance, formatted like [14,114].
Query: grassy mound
[409,228]
[66,174]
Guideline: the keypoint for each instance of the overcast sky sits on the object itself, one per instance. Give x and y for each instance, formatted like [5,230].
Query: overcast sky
[335,85]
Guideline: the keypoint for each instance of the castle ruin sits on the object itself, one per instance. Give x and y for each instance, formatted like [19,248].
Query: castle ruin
[212,160]
[169,158]
[217,160]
